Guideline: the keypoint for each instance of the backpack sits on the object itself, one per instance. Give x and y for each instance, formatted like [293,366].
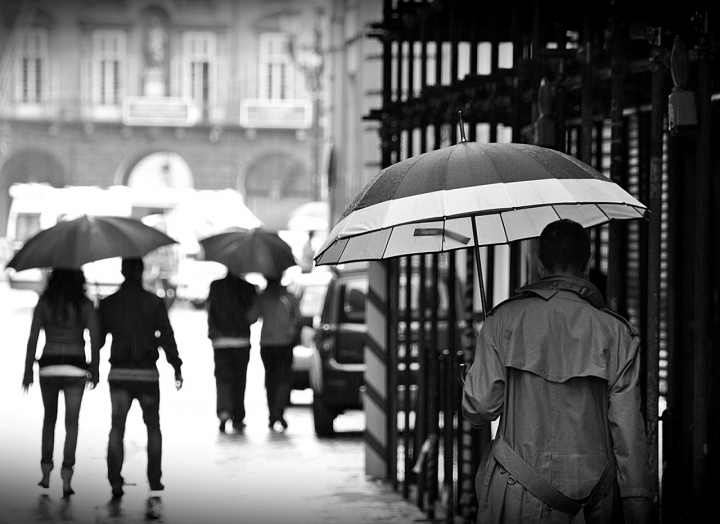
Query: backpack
[290,320]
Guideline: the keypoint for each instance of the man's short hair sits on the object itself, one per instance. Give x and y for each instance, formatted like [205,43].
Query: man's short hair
[132,268]
[564,246]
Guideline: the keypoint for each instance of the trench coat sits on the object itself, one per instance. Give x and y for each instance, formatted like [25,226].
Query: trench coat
[562,373]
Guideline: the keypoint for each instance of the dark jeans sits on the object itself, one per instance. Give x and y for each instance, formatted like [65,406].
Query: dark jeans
[278,367]
[230,379]
[122,393]
[72,388]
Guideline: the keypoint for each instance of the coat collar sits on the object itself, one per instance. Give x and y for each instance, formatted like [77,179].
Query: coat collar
[548,286]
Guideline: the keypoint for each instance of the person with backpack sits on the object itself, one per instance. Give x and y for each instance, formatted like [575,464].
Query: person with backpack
[280,312]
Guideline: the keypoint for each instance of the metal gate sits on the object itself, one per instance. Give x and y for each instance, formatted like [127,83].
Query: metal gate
[590,84]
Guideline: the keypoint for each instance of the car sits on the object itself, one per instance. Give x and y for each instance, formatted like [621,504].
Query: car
[310,288]
[338,366]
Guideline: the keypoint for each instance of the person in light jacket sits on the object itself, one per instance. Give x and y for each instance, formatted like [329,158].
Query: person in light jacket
[280,313]
[561,372]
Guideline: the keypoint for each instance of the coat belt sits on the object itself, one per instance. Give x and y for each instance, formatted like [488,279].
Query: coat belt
[526,475]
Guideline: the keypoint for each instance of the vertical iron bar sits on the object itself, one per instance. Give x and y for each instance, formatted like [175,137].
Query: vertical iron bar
[703,288]
[617,247]
[386,149]
[469,450]
[406,407]
[451,411]
[586,96]
[422,421]
[391,374]
[450,443]
[654,267]
[434,425]
[421,416]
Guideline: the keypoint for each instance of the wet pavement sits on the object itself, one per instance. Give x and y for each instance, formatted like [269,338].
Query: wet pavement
[257,476]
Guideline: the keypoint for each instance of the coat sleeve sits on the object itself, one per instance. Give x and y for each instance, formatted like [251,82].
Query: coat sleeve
[35,327]
[484,389]
[252,311]
[166,338]
[211,307]
[92,324]
[626,424]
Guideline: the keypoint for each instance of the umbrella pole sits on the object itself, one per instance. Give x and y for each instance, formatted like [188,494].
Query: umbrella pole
[478,264]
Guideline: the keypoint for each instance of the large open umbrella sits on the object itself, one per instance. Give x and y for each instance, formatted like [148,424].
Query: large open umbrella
[254,251]
[72,243]
[471,195]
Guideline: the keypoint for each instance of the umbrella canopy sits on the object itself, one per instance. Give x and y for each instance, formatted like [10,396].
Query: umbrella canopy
[72,243]
[472,194]
[254,251]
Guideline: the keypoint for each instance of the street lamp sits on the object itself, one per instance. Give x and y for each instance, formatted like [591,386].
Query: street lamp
[312,66]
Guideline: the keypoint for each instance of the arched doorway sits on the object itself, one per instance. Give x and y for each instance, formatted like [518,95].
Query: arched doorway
[276,184]
[30,165]
[160,169]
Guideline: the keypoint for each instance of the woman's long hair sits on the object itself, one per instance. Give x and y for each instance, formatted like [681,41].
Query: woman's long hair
[64,292]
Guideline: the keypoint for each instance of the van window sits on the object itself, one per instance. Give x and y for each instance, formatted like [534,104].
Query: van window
[353,302]
[26,226]
[311,300]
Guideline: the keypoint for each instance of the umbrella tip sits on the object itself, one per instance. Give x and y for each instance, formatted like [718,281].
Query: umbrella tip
[462,127]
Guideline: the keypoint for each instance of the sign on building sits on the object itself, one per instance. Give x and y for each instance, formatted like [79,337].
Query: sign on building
[158,111]
[257,113]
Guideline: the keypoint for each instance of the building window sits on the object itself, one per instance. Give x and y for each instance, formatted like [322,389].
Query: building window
[277,71]
[199,67]
[32,87]
[109,59]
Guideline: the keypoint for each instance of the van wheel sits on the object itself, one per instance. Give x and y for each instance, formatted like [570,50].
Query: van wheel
[323,417]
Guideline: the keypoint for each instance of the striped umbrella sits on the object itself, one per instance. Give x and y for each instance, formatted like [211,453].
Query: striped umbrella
[472,195]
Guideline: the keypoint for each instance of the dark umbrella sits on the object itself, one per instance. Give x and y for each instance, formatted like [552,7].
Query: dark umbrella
[73,243]
[471,195]
[254,251]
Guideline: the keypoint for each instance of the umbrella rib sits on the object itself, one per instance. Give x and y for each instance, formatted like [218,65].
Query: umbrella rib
[502,221]
[603,212]
[387,242]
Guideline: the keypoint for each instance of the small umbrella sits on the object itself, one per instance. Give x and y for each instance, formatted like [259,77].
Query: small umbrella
[72,243]
[471,195]
[254,251]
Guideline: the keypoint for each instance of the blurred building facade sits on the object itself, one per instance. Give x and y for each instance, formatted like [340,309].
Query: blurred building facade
[355,64]
[209,94]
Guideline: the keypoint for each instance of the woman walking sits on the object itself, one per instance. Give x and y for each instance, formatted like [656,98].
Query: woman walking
[65,313]
[280,312]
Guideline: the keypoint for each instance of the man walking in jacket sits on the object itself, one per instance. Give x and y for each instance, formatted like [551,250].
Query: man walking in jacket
[562,372]
[230,315]
[139,324]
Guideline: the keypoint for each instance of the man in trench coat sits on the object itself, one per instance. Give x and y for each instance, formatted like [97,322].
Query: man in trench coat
[562,372]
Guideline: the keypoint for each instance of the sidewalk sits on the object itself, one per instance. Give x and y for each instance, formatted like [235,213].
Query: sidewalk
[255,477]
